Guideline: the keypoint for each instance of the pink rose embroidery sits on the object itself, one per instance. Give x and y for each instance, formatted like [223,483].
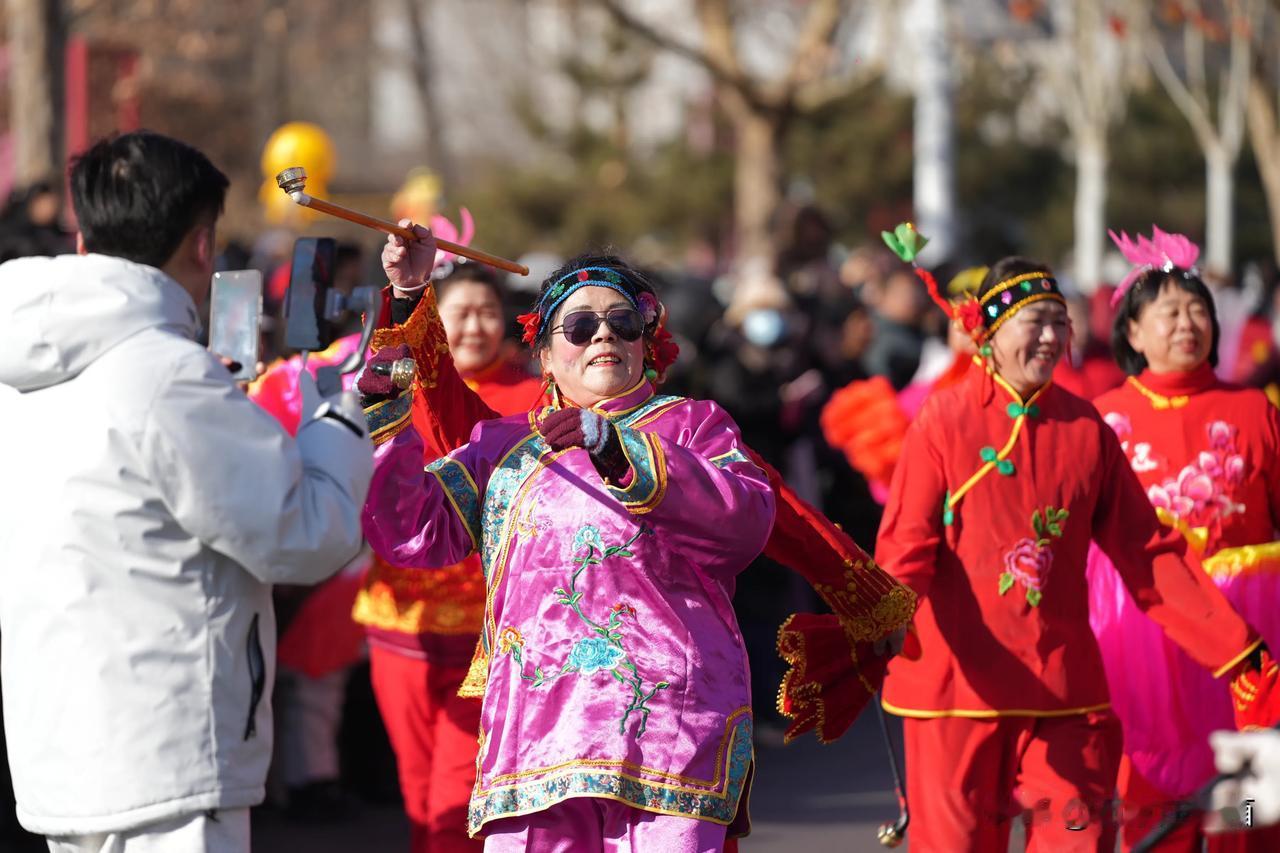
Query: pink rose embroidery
[1221,435]
[1119,423]
[1029,561]
[1195,485]
[1200,495]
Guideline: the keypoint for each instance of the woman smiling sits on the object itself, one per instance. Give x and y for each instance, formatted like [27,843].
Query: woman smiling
[1208,455]
[1003,481]
[611,525]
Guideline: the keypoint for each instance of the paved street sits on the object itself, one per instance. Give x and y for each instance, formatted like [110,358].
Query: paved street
[819,799]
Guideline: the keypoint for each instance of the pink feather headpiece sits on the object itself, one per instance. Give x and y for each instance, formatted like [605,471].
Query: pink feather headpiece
[446,230]
[1164,251]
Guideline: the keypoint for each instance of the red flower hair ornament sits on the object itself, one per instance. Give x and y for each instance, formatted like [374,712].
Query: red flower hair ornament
[532,323]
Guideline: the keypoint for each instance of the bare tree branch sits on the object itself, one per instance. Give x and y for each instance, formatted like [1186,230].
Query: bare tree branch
[421,61]
[724,69]
[822,93]
[1186,102]
[1193,56]
[812,47]
[1235,84]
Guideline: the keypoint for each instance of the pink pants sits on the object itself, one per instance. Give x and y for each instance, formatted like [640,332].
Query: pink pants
[593,825]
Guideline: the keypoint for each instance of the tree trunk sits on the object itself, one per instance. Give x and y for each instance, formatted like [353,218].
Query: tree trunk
[1264,136]
[934,143]
[35,95]
[756,187]
[1090,207]
[1219,200]
[422,63]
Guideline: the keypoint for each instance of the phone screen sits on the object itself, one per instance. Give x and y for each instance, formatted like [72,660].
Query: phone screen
[235,313]
[310,278]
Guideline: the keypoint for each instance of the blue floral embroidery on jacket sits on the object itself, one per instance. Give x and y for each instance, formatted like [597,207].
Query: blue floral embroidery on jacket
[592,654]
[603,650]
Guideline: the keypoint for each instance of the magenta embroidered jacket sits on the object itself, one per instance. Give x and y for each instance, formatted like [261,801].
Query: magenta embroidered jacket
[615,667]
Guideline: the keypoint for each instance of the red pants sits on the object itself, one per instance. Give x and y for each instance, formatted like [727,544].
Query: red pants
[1145,806]
[968,780]
[434,734]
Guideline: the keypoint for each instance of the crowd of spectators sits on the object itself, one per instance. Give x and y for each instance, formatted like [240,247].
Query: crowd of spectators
[772,345]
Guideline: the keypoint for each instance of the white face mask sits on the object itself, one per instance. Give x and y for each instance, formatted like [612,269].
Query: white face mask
[764,327]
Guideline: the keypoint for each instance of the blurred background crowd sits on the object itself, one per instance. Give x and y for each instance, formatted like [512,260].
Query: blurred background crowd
[746,152]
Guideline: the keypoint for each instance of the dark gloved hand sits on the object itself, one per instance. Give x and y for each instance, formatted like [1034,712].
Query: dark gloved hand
[402,307]
[592,432]
[374,386]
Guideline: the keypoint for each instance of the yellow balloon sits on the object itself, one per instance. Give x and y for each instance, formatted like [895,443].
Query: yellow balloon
[299,143]
[419,197]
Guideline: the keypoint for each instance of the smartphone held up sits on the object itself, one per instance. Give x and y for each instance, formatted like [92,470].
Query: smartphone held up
[235,318]
[314,308]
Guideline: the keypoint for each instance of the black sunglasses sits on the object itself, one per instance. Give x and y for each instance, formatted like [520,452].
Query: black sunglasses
[580,326]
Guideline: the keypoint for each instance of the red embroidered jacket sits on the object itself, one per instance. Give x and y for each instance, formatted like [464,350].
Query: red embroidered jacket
[991,511]
[1208,454]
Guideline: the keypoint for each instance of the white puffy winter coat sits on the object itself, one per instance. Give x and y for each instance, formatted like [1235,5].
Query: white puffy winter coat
[146,507]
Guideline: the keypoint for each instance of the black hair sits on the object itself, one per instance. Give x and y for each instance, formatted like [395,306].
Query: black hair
[1145,290]
[638,281]
[473,273]
[1007,268]
[138,195]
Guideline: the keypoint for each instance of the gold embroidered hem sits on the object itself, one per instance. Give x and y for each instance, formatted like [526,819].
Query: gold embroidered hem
[387,419]
[984,714]
[1235,661]
[646,788]
[827,683]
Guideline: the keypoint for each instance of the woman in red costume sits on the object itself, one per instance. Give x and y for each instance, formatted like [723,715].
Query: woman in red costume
[423,625]
[1003,482]
[1208,455]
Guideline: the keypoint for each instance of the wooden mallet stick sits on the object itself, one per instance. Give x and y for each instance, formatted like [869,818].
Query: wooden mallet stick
[294,181]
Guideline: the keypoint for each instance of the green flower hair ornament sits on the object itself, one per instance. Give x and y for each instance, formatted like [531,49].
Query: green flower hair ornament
[905,241]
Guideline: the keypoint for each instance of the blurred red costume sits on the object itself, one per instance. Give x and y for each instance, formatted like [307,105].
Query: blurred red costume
[993,504]
[423,624]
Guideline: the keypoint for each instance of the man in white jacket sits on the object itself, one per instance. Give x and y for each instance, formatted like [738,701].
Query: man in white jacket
[146,507]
